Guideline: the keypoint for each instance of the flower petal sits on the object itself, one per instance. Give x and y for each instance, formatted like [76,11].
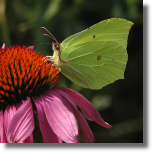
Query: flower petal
[86,131]
[22,124]
[3,46]
[60,117]
[31,47]
[8,115]
[47,133]
[88,109]
[29,139]
[2,131]
[1,127]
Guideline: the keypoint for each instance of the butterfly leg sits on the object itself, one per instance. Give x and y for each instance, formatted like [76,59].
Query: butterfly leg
[49,58]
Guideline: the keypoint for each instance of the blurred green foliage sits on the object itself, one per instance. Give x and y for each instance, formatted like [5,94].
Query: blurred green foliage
[120,103]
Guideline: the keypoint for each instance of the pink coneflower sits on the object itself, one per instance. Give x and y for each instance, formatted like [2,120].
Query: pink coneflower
[27,95]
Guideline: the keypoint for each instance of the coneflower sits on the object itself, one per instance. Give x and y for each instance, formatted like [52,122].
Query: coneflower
[27,94]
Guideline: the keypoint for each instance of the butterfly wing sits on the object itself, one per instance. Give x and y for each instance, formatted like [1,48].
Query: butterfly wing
[96,56]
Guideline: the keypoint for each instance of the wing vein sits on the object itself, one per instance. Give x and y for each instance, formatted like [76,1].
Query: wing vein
[81,74]
[86,54]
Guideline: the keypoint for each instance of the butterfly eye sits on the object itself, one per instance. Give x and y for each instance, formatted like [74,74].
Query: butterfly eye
[57,46]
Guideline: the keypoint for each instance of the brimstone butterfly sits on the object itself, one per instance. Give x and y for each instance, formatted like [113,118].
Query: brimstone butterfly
[94,57]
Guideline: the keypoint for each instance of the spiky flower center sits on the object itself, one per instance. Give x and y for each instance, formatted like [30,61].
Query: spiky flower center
[23,73]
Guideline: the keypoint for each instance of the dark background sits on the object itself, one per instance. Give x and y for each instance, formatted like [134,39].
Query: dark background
[120,103]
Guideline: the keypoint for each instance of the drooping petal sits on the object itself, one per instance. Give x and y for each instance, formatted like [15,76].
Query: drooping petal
[86,131]
[88,109]
[8,115]
[60,117]
[47,133]
[22,124]
[1,127]
[29,139]
[2,131]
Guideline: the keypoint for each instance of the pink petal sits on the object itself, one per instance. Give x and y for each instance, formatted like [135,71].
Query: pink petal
[22,124]
[29,139]
[8,115]
[3,46]
[31,47]
[86,131]
[1,127]
[47,133]
[60,117]
[88,109]
[2,131]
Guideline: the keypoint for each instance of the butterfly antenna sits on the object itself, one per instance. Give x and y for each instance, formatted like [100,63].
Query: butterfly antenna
[51,36]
